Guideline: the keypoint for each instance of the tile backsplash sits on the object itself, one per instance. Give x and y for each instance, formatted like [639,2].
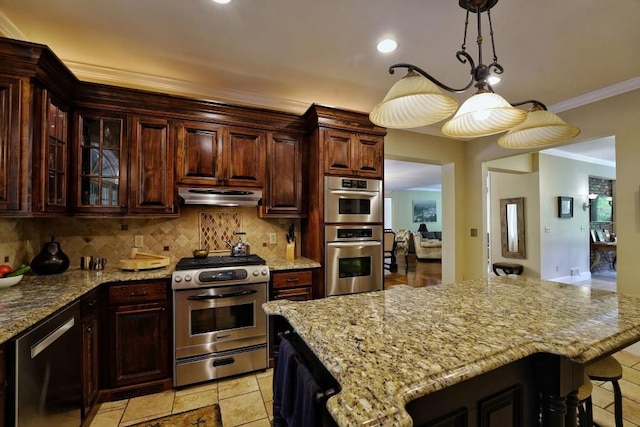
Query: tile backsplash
[22,239]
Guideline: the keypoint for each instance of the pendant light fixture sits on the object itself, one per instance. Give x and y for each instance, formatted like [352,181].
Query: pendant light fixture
[416,100]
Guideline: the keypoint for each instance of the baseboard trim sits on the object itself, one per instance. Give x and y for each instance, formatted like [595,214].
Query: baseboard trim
[572,279]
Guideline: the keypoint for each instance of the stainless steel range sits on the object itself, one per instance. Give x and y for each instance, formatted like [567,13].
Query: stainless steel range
[219,326]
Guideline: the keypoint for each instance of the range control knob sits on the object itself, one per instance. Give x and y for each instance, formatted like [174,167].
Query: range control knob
[256,272]
[265,272]
[177,279]
[187,278]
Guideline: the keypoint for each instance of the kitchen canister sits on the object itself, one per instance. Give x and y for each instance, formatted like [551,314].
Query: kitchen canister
[51,259]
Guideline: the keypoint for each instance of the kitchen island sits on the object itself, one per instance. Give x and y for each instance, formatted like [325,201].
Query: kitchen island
[407,347]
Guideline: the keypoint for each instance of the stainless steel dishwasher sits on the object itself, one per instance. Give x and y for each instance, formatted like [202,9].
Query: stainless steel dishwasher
[46,372]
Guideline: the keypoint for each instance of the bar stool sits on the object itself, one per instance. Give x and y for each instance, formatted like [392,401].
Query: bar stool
[585,405]
[608,369]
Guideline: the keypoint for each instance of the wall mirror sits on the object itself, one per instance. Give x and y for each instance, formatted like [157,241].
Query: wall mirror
[512,228]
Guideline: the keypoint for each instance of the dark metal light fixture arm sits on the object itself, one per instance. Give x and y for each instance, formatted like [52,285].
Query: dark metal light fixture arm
[529,101]
[462,56]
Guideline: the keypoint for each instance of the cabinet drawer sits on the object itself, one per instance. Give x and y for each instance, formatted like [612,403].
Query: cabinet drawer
[303,293]
[290,280]
[137,293]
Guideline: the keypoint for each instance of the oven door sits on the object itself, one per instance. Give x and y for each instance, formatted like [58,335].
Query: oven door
[218,319]
[346,206]
[353,267]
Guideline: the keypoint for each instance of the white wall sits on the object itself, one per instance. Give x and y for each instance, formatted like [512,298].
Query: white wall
[511,185]
[402,209]
[564,242]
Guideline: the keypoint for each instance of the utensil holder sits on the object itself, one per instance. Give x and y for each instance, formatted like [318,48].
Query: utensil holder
[291,251]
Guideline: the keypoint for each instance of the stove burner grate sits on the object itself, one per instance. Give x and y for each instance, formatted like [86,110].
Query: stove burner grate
[218,261]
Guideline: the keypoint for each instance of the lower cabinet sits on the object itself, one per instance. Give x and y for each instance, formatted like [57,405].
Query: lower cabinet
[295,285]
[292,285]
[3,386]
[90,383]
[136,357]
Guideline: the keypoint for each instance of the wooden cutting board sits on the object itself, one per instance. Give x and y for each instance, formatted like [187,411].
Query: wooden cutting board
[143,261]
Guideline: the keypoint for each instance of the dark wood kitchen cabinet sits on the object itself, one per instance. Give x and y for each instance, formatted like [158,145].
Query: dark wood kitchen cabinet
[353,154]
[137,357]
[3,386]
[296,285]
[90,380]
[50,153]
[283,195]
[216,155]
[13,166]
[99,175]
[151,174]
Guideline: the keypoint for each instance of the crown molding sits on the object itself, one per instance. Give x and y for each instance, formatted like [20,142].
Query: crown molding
[558,152]
[8,28]
[118,77]
[597,95]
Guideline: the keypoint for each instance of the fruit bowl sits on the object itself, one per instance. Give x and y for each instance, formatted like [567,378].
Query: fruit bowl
[6,282]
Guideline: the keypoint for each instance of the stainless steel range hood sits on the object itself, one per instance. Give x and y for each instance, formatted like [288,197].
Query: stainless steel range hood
[220,196]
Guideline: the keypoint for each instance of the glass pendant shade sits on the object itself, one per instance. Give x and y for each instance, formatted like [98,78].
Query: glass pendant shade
[483,114]
[413,101]
[541,128]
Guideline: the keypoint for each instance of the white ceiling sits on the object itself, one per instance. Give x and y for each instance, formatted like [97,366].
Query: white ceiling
[288,54]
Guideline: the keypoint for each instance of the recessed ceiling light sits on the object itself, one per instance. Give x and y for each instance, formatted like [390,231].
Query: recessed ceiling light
[387,45]
[222,1]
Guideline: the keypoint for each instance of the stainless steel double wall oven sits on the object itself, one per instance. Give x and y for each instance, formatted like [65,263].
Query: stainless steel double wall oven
[353,212]
[220,328]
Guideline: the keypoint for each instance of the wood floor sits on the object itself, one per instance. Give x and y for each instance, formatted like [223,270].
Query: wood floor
[415,272]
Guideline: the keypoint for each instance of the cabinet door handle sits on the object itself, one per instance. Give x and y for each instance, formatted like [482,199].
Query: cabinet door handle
[89,329]
[296,279]
[138,294]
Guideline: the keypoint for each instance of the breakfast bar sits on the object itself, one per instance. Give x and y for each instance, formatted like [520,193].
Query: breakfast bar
[511,347]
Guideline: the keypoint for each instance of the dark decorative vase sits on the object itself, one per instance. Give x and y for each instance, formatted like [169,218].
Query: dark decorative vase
[50,260]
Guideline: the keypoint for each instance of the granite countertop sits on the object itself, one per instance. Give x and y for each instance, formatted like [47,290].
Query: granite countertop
[35,297]
[390,347]
[300,263]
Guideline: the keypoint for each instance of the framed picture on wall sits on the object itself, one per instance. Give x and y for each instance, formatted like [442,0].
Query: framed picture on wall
[424,211]
[565,207]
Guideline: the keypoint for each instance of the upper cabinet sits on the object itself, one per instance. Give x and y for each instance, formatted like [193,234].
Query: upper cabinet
[151,180]
[283,195]
[353,154]
[51,154]
[216,155]
[344,143]
[99,163]
[12,164]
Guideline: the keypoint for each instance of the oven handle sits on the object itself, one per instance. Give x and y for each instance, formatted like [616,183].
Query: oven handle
[218,296]
[368,194]
[354,244]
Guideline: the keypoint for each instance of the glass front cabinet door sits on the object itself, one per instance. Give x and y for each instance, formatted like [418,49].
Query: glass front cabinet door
[51,151]
[99,184]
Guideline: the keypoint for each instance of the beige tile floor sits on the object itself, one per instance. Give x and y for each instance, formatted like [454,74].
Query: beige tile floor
[244,401]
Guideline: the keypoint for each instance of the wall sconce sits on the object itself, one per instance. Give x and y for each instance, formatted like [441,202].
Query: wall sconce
[586,205]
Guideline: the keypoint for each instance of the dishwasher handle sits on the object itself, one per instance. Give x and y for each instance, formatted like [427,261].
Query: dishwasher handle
[42,345]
